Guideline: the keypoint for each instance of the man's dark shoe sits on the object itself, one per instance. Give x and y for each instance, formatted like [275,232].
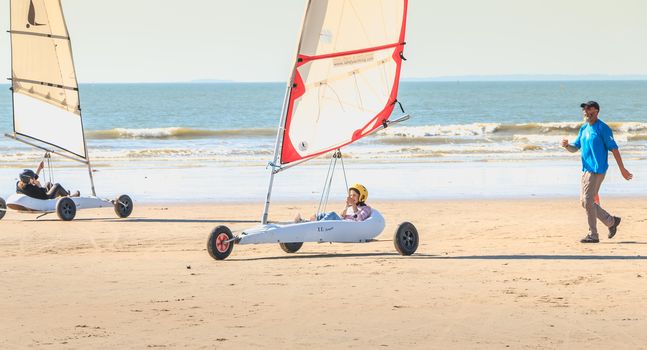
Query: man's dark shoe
[613,229]
[589,239]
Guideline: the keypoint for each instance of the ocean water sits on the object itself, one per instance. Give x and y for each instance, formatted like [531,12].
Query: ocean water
[226,131]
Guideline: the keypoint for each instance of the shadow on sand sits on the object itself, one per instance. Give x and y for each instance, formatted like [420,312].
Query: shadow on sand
[319,255]
[187,221]
[208,221]
[624,242]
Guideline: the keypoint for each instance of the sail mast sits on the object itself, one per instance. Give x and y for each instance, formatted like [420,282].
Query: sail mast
[85,143]
[272,165]
[13,111]
[281,129]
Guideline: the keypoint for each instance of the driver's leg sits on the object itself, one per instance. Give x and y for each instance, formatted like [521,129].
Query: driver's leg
[57,191]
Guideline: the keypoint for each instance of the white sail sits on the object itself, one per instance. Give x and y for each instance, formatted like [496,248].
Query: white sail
[346,79]
[45,90]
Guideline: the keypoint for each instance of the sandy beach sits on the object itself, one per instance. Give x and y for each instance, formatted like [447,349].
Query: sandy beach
[471,120]
[488,274]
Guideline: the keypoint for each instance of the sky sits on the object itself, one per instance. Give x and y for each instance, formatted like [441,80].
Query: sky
[254,40]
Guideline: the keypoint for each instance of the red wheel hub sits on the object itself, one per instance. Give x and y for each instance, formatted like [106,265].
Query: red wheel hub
[221,242]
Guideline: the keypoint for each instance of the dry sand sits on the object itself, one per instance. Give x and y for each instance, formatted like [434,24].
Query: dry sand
[487,274]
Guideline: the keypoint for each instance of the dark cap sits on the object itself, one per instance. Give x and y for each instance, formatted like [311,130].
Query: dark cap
[27,175]
[590,104]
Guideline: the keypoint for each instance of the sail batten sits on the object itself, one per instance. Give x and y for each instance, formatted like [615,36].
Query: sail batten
[53,36]
[54,85]
[347,53]
[46,105]
[345,81]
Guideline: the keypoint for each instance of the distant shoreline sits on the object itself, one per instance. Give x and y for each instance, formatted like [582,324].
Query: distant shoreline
[442,79]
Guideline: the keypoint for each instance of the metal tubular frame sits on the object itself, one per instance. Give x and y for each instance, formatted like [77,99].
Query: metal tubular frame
[281,130]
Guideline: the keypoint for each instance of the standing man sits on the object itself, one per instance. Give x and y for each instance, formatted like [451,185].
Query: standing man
[595,140]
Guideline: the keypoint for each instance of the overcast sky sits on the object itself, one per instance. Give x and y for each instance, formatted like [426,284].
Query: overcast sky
[254,40]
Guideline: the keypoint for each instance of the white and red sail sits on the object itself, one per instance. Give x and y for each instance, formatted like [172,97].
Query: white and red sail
[345,82]
[45,90]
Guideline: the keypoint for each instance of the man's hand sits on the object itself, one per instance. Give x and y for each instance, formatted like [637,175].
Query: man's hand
[41,166]
[564,143]
[626,174]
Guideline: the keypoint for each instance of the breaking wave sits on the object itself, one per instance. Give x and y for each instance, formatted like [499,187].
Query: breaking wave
[176,133]
[425,134]
[460,133]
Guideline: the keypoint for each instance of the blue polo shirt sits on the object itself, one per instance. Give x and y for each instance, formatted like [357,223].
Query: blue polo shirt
[595,141]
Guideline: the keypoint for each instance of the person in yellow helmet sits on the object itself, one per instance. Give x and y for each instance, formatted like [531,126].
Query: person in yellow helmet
[356,208]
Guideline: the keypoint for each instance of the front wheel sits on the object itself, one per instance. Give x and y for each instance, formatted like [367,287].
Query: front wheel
[220,243]
[123,206]
[291,247]
[3,208]
[406,239]
[65,209]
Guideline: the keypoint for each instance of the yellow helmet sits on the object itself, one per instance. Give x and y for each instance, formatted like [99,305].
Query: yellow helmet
[363,192]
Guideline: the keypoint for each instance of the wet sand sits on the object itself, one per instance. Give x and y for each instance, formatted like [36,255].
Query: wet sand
[487,274]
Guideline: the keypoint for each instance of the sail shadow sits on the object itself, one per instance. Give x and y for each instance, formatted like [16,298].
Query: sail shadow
[148,220]
[320,255]
[417,256]
[542,257]
[206,221]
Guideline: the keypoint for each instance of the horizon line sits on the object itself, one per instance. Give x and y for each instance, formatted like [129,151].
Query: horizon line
[447,78]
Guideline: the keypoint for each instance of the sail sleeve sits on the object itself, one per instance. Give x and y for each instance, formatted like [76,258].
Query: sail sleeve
[345,82]
[44,84]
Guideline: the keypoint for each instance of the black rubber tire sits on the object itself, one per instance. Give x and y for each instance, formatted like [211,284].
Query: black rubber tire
[406,239]
[217,251]
[123,210]
[291,247]
[66,209]
[3,206]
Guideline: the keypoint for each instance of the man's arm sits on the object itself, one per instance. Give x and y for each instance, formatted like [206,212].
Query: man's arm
[568,146]
[575,146]
[611,145]
[625,173]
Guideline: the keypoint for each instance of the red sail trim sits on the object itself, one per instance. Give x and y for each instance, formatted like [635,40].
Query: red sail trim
[306,58]
[404,21]
[288,152]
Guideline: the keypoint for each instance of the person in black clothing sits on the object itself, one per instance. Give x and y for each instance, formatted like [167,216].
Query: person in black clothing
[29,186]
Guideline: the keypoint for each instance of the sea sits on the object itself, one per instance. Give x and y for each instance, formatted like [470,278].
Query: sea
[211,142]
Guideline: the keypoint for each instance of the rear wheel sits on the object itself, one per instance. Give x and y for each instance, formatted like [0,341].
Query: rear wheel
[3,208]
[66,209]
[406,239]
[123,206]
[219,244]
[291,247]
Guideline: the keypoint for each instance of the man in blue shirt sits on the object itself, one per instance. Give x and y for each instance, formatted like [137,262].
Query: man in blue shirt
[595,140]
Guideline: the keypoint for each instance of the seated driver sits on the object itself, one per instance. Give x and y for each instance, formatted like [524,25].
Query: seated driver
[355,209]
[30,186]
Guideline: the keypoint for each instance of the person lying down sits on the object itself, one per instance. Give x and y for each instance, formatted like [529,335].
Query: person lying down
[356,208]
[31,187]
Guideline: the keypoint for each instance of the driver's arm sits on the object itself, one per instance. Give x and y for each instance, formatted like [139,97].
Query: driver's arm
[41,166]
